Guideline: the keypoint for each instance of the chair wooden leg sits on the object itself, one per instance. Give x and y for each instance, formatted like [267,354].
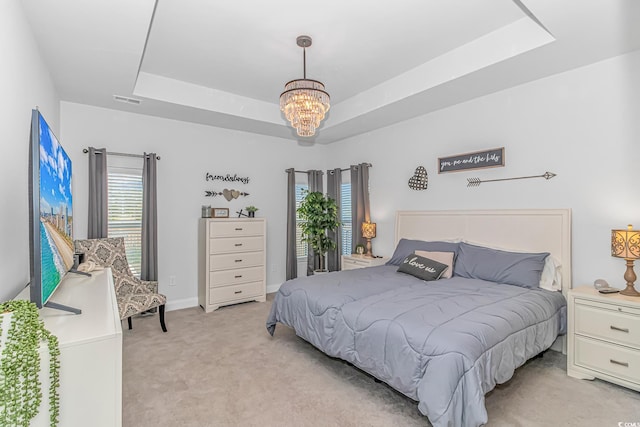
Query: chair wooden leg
[164,328]
[129,322]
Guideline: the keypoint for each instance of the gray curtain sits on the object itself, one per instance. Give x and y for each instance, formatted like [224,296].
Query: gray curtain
[334,185]
[98,215]
[292,257]
[359,202]
[149,250]
[314,179]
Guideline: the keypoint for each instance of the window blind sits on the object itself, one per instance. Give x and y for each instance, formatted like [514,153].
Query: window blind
[125,211]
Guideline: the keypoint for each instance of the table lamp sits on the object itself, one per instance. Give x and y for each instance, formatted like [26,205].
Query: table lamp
[626,244]
[369,232]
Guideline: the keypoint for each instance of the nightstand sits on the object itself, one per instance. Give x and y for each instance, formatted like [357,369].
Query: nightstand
[351,262]
[604,337]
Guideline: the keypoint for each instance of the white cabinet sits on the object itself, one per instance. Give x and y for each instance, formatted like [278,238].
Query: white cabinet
[350,262]
[90,352]
[604,337]
[232,261]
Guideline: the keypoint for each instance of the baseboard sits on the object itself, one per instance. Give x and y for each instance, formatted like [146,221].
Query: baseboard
[273,288]
[181,303]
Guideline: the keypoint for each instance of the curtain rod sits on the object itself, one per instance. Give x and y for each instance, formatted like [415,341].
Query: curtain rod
[120,154]
[342,170]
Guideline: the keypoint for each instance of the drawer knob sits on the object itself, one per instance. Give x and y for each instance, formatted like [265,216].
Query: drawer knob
[239,229]
[237,292]
[238,276]
[238,260]
[615,328]
[615,362]
[238,244]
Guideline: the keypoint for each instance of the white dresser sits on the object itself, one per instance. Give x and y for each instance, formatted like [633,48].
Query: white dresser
[604,337]
[351,262]
[232,261]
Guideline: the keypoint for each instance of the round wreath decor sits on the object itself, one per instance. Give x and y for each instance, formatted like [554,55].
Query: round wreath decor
[20,387]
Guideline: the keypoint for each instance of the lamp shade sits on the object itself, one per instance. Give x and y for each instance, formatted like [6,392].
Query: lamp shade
[625,243]
[368,230]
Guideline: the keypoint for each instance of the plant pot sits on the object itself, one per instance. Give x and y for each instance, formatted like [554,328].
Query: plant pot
[252,214]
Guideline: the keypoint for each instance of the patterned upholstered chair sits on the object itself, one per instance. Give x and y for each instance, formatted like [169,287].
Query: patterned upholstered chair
[134,296]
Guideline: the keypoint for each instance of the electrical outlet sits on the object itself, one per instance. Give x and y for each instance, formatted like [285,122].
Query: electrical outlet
[274,268]
[172,280]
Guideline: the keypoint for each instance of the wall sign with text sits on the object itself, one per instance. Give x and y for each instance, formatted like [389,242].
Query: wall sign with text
[477,160]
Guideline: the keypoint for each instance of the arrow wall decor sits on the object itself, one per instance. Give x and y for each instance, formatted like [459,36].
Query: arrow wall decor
[475,182]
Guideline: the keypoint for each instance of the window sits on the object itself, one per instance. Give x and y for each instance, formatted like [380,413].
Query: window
[125,211]
[345,219]
[301,247]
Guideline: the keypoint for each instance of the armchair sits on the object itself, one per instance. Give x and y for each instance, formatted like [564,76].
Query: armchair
[134,296]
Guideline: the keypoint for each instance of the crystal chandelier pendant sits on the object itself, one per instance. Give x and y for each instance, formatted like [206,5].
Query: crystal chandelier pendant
[304,102]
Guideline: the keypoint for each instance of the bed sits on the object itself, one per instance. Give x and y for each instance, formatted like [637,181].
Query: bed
[444,343]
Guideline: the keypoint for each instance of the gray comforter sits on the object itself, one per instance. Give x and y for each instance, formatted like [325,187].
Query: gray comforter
[444,343]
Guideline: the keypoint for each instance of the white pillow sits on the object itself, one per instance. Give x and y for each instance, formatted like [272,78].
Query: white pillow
[443,257]
[551,277]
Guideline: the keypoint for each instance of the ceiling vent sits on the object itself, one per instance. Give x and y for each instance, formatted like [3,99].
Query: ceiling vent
[126,100]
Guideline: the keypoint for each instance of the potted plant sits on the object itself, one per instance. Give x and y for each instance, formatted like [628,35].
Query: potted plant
[252,211]
[319,215]
[21,334]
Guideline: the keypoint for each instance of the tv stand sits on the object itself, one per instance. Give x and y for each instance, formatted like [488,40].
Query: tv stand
[82,273]
[55,305]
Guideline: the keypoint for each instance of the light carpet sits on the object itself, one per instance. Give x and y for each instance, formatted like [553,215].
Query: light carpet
[223,369]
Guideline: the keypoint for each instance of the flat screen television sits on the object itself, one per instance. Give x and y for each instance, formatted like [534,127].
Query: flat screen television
[51,214]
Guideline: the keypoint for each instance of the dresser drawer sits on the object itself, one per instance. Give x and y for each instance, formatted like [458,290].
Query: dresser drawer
[606,322]
[236,228]
[232,277]
[236,260]
[610,359]
[236,244]
[235,292]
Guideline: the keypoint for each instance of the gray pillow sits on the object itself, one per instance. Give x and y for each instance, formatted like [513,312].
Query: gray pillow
[407,247]
[422,268]
[513,268]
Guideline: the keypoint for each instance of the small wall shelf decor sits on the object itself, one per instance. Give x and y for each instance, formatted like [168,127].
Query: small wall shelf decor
[228,194]
[419,180]
[477,160]
[227,178]
[475,182]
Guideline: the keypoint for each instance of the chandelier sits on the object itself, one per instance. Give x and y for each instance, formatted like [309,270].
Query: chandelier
[304,102]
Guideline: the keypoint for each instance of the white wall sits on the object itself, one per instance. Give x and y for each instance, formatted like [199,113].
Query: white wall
[24,84]
[188,151]
[583,125]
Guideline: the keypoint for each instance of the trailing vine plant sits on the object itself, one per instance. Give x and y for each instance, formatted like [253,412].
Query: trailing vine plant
[20,387]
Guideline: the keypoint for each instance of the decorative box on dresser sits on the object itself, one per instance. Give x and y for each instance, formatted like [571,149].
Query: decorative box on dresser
[232,261]
[351,262]
[604,337]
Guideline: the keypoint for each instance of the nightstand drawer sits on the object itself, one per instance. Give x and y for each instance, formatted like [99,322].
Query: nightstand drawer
[351,262]
[610,359]
[614,326]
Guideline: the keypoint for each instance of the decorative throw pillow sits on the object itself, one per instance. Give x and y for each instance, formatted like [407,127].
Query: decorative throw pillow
[443,257]
[422,268]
